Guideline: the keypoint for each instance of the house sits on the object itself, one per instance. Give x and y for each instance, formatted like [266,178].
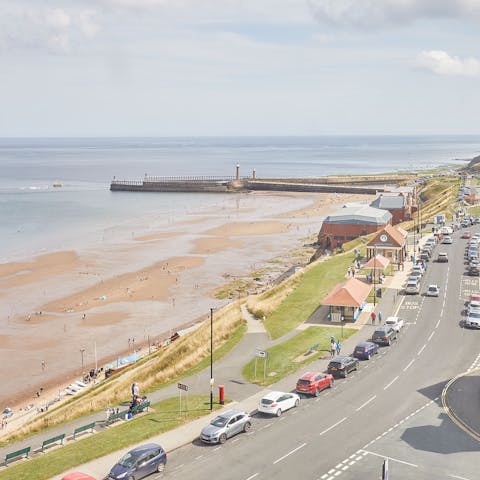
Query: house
[351,221]
[390,242]
[346,300]
[398,204]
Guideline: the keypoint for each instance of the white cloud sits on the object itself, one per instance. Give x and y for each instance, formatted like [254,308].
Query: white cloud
[57,19]
[441,63]
[381,13]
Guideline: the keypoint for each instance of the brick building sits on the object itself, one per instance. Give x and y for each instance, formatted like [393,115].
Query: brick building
[391,242]
[398,204]
[351,221]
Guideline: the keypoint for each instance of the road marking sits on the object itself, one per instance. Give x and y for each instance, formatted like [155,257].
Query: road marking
[289,453]
[266,426]
[366,403]
[252,476]
[199,457]
[392,459]
[431,335]
[179,466]
[325,475]
[216,448]
[422,349]
[333,426]
[235,440]
[409,365]
[394,380]
[438,323]
[456,476]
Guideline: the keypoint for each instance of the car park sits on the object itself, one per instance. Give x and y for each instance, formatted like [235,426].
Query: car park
[312,383]
[474,270]
[384,335]
[342,366]
[473,318]
[412,287]
[226,425]
[396,323]
[139,462]
[442,257]
[447,240]
[275,403]
[364,350]
[432,291]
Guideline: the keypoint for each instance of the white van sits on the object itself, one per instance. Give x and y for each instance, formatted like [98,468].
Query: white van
[446,231]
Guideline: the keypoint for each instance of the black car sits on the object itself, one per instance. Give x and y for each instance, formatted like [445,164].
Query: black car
[342,366]
[384,335]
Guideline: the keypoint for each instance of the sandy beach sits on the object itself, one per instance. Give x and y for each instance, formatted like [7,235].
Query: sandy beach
[141,289]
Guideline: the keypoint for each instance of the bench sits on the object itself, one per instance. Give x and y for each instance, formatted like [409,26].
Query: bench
[24,451]
[84,428]
[140,408]
[312,349]
[116,416]
[58,438]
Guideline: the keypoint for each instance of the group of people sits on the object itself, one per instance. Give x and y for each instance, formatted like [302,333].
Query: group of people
[374,317]
[335,347]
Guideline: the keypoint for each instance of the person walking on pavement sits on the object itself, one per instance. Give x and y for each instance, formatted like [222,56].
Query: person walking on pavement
[333,347]
[380,318]
[373,316]
[338,347]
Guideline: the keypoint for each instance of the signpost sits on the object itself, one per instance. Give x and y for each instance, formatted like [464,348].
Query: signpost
[182,387]
[261,354]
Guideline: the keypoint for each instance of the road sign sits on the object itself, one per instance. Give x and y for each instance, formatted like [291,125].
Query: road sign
[261,353]
[181,386]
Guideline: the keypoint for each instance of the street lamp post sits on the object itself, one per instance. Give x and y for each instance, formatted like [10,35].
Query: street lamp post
[374,275]
[82,351]
[211,358]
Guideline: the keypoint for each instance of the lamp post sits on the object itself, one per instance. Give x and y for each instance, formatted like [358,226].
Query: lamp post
[82,351]
[374,275]
[211,358]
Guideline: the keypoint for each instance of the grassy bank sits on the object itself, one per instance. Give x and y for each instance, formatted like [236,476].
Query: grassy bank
[165,417]
[287,357]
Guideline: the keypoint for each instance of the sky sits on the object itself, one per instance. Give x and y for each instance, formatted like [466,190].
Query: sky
[239,67]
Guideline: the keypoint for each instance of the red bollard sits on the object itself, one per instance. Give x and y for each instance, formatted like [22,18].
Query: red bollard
[221,394]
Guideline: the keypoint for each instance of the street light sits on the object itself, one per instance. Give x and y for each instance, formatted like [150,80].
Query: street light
[82,351]
[211,358]
[374,275]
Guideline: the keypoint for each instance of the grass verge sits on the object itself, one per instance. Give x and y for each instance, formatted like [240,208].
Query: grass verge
[165,417]
[283,358]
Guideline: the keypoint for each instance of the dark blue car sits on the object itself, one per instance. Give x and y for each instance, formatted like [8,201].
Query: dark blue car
[364,350]
[139,463]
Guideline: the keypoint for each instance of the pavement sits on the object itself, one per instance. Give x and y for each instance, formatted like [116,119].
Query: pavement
[227,371]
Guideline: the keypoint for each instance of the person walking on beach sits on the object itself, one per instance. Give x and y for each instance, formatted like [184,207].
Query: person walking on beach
[338,347]
[373,317]
[44,365]
[333,348]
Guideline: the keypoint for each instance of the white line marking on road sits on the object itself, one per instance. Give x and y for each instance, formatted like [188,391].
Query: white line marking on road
[216,448]
[392,459]
[283,418]
[252,476]
[333,426]
[325,475]
[345,468]
[456,476]
[388,385]
[422,349]
[235,440]
[295,412]
[266,426]
[438,323]
[336,474]
[366,403]
[179,466]
[330,471]
[431,335]
[289,453]
[409,365]
[199,457]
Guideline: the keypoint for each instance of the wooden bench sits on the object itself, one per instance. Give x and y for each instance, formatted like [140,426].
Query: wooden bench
[58,438]
[84,428]
[24,451]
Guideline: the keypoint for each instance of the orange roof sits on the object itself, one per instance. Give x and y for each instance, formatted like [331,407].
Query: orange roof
[351,293]
[396,235]
[377,262]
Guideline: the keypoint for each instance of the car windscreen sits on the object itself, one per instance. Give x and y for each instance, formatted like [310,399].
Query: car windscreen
[474,314]
[219,422]
[335,364]
[128,460]
[359,349]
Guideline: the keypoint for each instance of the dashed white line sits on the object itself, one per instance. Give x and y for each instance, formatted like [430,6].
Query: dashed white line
[456,476]
[438,323]
[392,459]
[199,457]
[252,476]
[431,335]
[366,403]
[422,349]
[409,365]
[389,384]
[216,448]
[289,453]
[333,426]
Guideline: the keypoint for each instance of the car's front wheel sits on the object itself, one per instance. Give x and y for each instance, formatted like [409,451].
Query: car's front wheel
[368,356]
[247,426]
[279,412]
[161,467]
[222,438]
[330,385]
[317,392]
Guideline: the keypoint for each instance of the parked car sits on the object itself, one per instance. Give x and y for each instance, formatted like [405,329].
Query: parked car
[312,383]
[225,426]
[384,335]
[140,462]
[275,403]
[447,240]
[466,235]
[342,366]
[364,350]
[396,323]
[442,257]
[474,301]
[432,291]
[425,256]
[412,287]
[77,476]
[473,318]
[474,271]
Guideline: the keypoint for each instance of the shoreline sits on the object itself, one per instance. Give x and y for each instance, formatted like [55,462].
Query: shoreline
[149,301]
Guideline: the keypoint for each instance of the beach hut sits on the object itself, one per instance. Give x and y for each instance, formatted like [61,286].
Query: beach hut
[346,300]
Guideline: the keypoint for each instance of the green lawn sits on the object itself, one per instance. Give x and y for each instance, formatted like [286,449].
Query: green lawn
[306,298]
[280,362]
[474,211]
[166,417]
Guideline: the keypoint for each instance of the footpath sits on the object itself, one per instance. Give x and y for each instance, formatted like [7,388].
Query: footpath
[227,372]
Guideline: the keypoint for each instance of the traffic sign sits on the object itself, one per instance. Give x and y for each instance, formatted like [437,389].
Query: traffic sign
[261,353]
[182,386]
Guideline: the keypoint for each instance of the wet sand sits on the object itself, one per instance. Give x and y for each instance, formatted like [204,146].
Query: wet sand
[99,300]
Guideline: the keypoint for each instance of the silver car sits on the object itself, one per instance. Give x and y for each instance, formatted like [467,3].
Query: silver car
[225,426]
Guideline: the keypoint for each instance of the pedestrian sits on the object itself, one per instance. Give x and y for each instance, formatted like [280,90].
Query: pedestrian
[373,316]
[44,365]
[108,412]
[135,390]
[338,347]
[333,348]
[353,272]
[380,317]
[349,271]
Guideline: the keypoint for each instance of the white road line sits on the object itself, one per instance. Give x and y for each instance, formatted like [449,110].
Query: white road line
[409,365]
[179,466]
[235,440]
[216,448]
[389,384]
[366,403]
[431,335]
[438,323]
[199,457]
[333,426]
[422,349]
[392,459]
[252,476]
[325,475]
[289,453]
[456,476]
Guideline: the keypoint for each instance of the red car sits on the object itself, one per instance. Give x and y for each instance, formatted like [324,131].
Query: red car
[77,476]
[466,235]
[312,383]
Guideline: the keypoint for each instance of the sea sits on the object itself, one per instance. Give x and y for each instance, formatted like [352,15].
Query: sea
[54,192]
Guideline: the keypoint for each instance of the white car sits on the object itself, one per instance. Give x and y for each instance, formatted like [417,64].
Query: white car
[277,402]
[396,323]
[473,318]
[447,240]
[432,291]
